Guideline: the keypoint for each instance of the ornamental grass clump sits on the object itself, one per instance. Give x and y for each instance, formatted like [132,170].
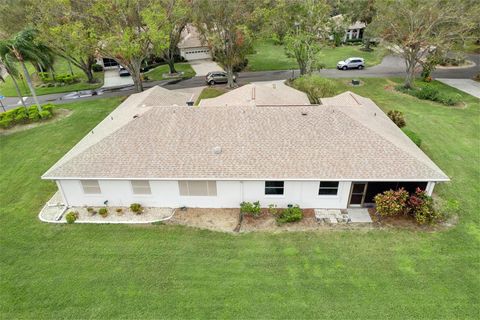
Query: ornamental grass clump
[103,212]
[136,208]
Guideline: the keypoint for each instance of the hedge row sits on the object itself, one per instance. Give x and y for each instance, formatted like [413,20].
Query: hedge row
[22,115]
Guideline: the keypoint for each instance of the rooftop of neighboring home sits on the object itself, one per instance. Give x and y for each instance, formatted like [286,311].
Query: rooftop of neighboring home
[259,94]
[154,135]
[191,38]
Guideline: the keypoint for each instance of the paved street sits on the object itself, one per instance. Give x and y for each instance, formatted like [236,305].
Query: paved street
[391,66]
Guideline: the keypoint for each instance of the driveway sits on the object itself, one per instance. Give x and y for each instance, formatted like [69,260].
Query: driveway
[112,79]
[466,85]
[202,67]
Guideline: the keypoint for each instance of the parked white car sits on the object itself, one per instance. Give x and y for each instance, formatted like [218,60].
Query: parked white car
[351,63]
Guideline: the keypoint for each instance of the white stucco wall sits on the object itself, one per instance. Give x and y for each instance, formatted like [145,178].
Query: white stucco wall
[229,195]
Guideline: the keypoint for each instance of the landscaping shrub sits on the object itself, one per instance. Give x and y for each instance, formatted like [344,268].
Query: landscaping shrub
[103,212]
[136,208]
[250,208]
[315,87]
[290,215]
[71,217]
[6,123]
[33,114]
[21,115]
[397,117]
[97,68]
[392,203]
[413,136]
[428,92]
[272,209]
[420,206]
[119,210]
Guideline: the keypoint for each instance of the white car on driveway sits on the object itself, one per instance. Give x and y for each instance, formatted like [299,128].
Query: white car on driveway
[351,63]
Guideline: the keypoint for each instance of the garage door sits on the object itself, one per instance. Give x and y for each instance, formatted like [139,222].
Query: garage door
[196,54]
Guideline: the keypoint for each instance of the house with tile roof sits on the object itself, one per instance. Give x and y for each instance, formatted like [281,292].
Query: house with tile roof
[156,150]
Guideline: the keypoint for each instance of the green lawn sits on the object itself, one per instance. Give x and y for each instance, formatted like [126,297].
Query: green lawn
[61,67]
[269,56]
[143,272]
[158,72]
[209,93]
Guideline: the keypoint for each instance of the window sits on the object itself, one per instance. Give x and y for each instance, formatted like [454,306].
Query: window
[141,187]
[197,188]
[90,186]
[274,187]
[328,188]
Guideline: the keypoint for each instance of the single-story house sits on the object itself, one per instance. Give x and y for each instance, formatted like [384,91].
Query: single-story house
[192,46]
[354,31]
[155,150]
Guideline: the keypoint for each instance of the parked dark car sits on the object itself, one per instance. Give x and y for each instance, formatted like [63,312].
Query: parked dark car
[217,77]
[122,72]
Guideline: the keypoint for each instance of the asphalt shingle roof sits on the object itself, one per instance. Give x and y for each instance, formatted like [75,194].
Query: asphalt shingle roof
[345,142]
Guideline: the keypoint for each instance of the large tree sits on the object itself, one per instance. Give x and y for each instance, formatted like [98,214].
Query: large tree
[7,62]
[178,14]
[311,28]
[68,31]
[13,16]
[22,48]
[224,24]
[416,27]
[130,31]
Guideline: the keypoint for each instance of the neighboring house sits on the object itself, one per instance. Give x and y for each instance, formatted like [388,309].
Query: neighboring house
[155,150]
[353,32]
[192,47]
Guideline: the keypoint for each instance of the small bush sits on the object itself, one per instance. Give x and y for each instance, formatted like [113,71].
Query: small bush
[413,136]
[97,68]
[6,123]
[290,215]
[103,212]
[71,217]
[428,92]
[392,203]
[90,209]
[33,114]
[136,208]
[119,210]
[45,114]
[272,209]
[397,117]
[315,87]
[421,207]
[250,208]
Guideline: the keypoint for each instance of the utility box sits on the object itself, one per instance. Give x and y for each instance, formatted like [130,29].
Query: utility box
[355,82]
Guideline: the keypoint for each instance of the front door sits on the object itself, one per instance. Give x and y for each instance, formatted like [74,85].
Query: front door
[357,196]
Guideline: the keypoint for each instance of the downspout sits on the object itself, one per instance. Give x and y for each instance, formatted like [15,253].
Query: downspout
[59,185]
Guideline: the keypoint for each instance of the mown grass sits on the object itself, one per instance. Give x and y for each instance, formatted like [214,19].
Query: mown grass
[164,271]
[209,93]
[158,72]
[269,56]
[61,67]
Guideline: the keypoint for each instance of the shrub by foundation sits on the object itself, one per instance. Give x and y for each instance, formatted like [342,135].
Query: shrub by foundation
[71,217]
[290,215]
[250,208]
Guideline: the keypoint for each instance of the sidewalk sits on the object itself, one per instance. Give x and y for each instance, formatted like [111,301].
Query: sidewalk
[466,85]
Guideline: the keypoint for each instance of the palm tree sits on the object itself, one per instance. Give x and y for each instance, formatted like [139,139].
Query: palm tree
[13,72]
[24,48]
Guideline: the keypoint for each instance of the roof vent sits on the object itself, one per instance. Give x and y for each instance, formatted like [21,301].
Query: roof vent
[217,150]
[304,113]
[136,116]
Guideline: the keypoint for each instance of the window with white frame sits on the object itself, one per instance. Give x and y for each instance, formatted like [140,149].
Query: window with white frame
[91,186]
[141,187]
[274,188]
[329,188]
[197,188]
